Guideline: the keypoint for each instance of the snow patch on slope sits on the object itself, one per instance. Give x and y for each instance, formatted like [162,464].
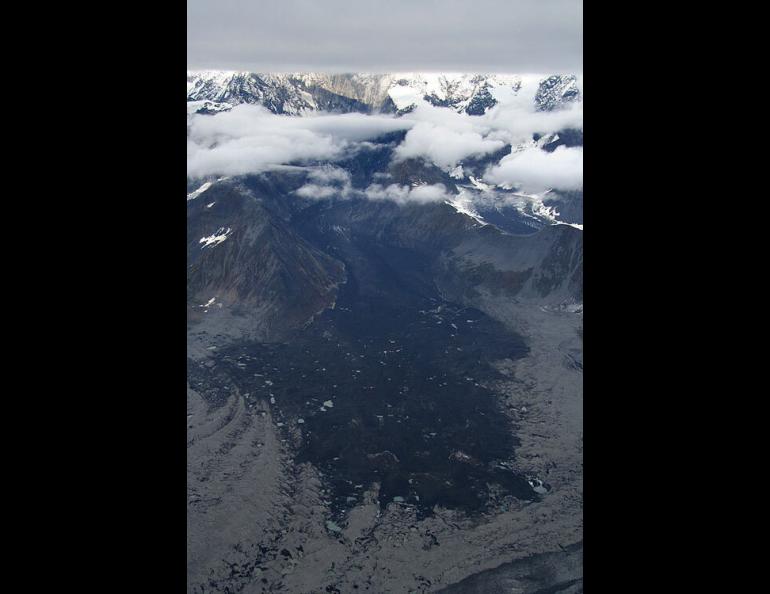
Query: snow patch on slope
[216,238]
[463,203]
[404,96]
[199,191]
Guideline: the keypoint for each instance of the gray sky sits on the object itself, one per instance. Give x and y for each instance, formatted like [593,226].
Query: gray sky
[516,36]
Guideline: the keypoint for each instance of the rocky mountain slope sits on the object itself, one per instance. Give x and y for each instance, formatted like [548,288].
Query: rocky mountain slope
[270,259]
[245,261]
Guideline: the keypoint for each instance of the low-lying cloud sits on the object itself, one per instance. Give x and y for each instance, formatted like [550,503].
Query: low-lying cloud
[534,170]
[250,139]
[445,146]
[325,182]
[447,137]
[328,182]
[403,194]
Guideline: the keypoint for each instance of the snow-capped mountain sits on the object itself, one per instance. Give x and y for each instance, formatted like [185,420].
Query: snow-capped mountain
[294,94]
[554,91]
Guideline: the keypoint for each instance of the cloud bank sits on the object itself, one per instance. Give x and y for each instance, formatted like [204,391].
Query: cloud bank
[444,136]
[534,170]
[251,139]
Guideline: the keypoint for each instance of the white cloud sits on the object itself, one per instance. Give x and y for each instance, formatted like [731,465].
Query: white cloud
[327,181]
[516,122]
[444,146]
[250,139]
[329,174]
[535,170]
[316,191]
[404,194]
[446,137]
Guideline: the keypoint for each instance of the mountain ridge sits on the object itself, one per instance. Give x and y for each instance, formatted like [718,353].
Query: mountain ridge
[298,93]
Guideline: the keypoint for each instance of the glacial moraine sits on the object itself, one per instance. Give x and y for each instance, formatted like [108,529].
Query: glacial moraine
[409,409]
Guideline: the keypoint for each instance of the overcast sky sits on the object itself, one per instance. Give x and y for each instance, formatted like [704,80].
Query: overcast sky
[517,36]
